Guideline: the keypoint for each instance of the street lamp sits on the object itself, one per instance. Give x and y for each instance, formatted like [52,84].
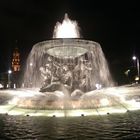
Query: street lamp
[135,58]
[9,80]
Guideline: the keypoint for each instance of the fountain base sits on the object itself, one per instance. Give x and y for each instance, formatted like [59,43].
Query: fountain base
[98,102]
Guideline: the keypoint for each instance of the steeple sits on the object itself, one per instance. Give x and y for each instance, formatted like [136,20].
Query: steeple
[16,60]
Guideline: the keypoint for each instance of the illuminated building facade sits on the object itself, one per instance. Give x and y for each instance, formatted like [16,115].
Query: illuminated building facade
[16,60]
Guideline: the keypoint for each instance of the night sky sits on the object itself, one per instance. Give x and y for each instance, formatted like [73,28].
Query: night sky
[115,25]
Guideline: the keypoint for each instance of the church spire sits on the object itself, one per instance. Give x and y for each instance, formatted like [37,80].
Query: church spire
[16,59]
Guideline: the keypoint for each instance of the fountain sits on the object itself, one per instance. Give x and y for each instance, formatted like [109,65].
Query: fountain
[68,76]
[78,63]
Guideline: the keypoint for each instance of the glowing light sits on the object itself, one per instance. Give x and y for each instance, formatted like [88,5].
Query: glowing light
[127,72]
[133,105]
[76,113]
[68,29]
[104,102]
[98,86]
[15,100]
[14,85]
[14,112]
[136,78]
[3,110]
[9,71]
[35,114]
[31,64]
[73,106]
[56,114]
[134,57]
[62,107]
[122,107]
[1,86]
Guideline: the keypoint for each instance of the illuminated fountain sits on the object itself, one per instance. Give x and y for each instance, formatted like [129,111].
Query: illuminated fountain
[77,63]
[68,76]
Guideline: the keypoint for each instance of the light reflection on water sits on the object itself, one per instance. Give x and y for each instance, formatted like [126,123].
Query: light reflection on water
[120,126]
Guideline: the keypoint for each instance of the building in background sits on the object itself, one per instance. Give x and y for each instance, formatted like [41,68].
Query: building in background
[16,67]
[16,60]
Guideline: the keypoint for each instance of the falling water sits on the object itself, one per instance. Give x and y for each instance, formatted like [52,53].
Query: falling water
[76,63]
[64,73]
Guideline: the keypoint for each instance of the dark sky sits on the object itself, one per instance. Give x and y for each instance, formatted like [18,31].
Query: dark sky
[115,25]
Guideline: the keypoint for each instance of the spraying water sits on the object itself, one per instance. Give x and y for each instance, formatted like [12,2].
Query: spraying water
[75,63]
[68,29]
[66,74]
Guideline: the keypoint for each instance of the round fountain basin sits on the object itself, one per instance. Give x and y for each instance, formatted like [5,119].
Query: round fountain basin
[98,102]
[67,52]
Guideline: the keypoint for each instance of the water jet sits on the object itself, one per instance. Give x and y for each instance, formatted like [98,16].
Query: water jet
[69,76]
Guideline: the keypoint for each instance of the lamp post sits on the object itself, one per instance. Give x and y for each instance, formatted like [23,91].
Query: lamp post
[9,80]
[135,58]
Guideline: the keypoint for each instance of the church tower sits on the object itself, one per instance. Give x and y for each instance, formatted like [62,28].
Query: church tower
[16,60]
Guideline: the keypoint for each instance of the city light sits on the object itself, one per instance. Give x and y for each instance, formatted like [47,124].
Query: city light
[9,80]
[9,71]
[135,58]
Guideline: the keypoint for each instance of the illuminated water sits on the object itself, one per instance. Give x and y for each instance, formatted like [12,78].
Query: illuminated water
[108,113]
[105,124]
[67,59]
[66,29]
[98,102]
[120,126]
